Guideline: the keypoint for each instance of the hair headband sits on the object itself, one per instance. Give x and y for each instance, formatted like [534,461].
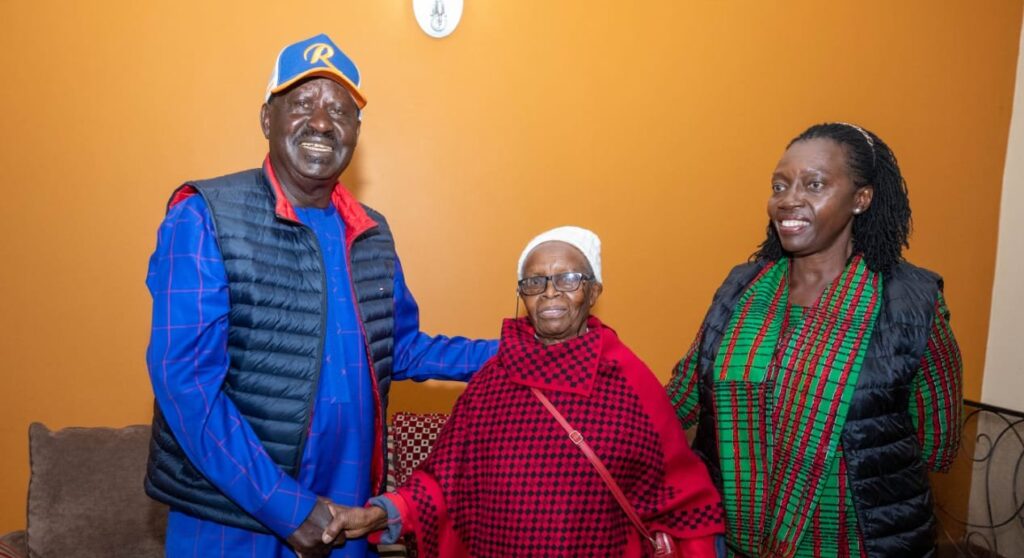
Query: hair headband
[867,138]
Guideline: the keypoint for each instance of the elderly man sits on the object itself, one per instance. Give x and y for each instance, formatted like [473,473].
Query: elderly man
[280,317]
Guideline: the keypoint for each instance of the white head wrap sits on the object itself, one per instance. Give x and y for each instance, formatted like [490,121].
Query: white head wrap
[583,240]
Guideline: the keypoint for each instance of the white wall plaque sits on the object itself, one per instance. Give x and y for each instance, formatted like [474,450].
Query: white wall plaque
[437,18]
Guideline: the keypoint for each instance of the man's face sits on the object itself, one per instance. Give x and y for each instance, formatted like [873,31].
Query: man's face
[312,129]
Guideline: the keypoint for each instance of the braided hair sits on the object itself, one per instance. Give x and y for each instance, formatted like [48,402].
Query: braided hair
[882,231]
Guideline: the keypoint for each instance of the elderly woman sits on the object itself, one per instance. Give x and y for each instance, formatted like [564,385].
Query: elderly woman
[825,379]
[504,478]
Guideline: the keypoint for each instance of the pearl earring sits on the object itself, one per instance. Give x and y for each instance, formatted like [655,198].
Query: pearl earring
[857,211]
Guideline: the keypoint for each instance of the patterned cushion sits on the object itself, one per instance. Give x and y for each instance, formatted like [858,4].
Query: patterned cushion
[413,435]
[410,438]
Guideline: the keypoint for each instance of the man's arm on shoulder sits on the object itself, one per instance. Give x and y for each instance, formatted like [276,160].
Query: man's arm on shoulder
[188,360]
[419,356]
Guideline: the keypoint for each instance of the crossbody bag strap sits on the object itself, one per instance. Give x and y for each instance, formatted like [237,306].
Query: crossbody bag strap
[613,486]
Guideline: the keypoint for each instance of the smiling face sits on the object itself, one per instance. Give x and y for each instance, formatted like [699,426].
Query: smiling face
[312,129]
[557,316]
[814,199]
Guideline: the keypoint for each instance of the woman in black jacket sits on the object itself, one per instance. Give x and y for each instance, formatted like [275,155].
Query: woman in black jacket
[825,379]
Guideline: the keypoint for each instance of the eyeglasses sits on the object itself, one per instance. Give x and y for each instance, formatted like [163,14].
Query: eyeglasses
[563,282]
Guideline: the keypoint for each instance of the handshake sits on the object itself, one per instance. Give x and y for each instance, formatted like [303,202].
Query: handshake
[330,524]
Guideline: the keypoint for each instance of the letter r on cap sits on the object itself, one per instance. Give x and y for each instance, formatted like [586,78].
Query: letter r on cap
[319,52]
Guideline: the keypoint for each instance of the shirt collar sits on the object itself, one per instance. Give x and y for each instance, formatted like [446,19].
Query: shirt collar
[351,211]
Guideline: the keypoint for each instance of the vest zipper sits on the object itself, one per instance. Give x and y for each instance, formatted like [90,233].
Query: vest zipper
[378,426]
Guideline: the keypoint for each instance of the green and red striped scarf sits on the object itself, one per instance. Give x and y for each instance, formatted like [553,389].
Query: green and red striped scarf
[776,454]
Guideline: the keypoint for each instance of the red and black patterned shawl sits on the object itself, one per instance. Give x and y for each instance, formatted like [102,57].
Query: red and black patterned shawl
[504,480]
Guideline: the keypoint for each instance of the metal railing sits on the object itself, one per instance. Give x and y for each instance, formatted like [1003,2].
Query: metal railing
[995,522]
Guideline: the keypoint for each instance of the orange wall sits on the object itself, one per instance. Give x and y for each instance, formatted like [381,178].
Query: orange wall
[655,123]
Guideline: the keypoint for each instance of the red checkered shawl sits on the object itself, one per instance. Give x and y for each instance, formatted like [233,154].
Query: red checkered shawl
[504,480]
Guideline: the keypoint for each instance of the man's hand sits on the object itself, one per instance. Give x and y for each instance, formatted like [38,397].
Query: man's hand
[308,540]
[356,522]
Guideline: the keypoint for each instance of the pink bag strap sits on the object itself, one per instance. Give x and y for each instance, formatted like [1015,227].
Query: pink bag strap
[613,486]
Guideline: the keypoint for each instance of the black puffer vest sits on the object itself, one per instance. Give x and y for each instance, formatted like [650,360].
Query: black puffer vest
[277,289]
[888,478]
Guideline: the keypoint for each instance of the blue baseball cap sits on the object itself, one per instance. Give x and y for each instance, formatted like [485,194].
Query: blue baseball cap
[315,57]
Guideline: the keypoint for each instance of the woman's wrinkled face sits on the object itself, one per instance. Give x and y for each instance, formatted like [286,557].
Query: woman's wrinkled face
[557,316]
[814,198]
